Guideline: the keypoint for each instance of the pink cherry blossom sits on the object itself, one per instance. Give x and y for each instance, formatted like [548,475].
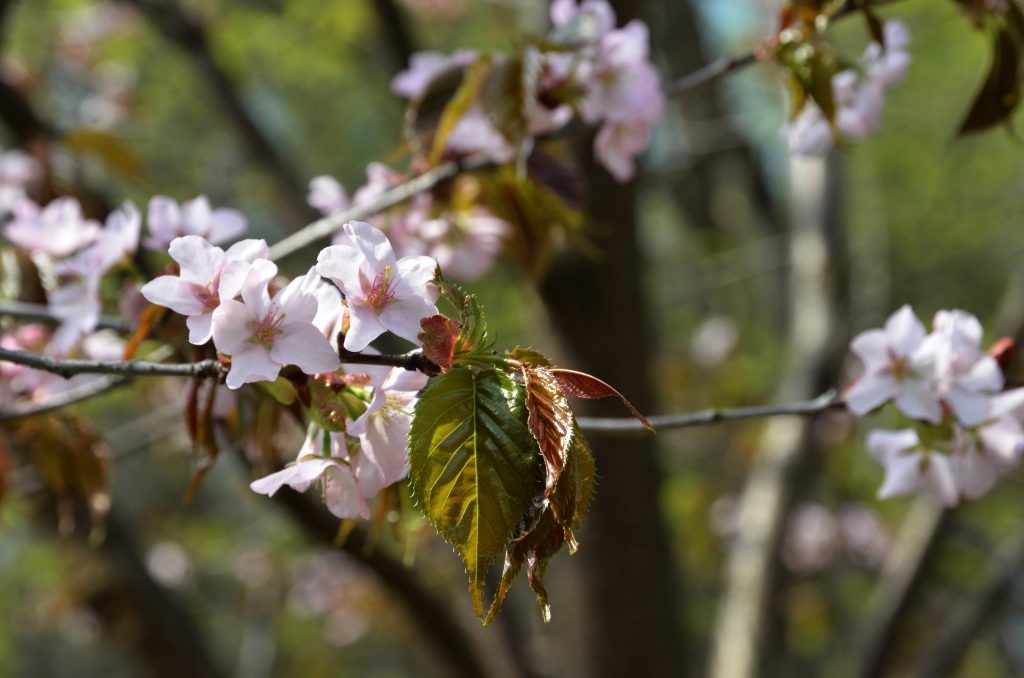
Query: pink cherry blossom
[382,457]
[383,293]
[58,229]
[984,453]
[896,367]
[911,467]
[168,220]
[341,493]
[464,244]
[207,276]
[327,195]
[385,382]
[598,12]
[262,334]
[424,68]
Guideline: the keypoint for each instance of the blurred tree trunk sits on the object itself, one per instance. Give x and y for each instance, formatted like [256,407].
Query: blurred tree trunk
[599,308]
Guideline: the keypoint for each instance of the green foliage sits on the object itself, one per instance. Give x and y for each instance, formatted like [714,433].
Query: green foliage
[1000,92]
[474,466]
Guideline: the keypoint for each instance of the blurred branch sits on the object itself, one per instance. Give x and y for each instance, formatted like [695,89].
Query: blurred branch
[952,638]
[64,399]
[815,346]
[19,310]
[918,535]
[182,30]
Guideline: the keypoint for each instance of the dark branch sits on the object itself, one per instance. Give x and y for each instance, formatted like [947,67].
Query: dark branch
[138,368]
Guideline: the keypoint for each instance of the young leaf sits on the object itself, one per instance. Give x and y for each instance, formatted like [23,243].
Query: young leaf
[440,338]
[546,533]
[473,336]
[507,95]
[473,464]
[580,385]
[551,421]
[148,320]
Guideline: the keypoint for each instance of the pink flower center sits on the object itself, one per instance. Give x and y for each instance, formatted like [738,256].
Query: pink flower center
[208,295]
[380,292]
[264,332]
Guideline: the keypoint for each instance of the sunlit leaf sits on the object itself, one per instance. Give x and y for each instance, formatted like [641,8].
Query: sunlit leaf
[550,418]
[474,465]
[473,337]
[581,385]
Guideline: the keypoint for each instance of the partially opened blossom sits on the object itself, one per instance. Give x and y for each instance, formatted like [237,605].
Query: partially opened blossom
[262,334]
[896,367]
[383,383]
[207,275]
[168,220]
[58,229]
[382,455]
[383,293]
[912,467]
[331,469]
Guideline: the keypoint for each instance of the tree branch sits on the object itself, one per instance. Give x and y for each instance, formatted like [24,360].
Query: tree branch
[67,398]
[138,368]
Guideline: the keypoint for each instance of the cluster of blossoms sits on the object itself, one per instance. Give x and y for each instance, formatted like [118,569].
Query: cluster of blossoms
[606,78]
[967,429]
[464,241]
[359,286]
[859,96]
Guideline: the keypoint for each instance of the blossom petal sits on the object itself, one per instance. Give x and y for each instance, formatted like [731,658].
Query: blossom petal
[904,331]
[299,476]
[364,327]
[869,392]
[172,292]
[918,399]
[231,323]
[250,364]
[302,345]
[200,328]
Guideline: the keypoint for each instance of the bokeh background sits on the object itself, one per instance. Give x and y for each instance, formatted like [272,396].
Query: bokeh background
[727,274]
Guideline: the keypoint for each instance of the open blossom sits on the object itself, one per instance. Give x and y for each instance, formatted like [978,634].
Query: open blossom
[58,229]
[341,493]
[384,382]
[207,275]
[859,96]
[599,12]
[896,368]
[383,293]
[911,467]
[262,334]
[168,220]
[382,457]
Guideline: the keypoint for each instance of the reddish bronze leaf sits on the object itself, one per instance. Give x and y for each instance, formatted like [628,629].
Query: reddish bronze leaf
[580,385]
[550,420]
[440,336]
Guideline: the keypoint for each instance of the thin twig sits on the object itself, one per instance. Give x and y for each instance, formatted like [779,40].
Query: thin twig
[72,396]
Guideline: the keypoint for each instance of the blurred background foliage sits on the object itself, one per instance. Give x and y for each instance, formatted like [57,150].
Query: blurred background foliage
[928,220]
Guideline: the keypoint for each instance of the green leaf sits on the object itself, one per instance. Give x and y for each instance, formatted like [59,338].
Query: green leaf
[332,404]
[508,95]
[474,465]
[281,389]
[550,528]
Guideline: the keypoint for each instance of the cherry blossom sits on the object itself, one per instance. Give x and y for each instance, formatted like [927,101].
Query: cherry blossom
[599,12]
[58,229]
[383,293]
[327,195]
[859,96]
[262,334]
[897,366]
[966,375]
[168,220]
[382,457]
[312,464]
[207,276]
[912,467]
[424,68]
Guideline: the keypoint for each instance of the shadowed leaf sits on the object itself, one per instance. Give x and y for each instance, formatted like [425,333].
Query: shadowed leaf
[1000,93]
[550,420]
[580,385]
[465,97]
[474,466]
